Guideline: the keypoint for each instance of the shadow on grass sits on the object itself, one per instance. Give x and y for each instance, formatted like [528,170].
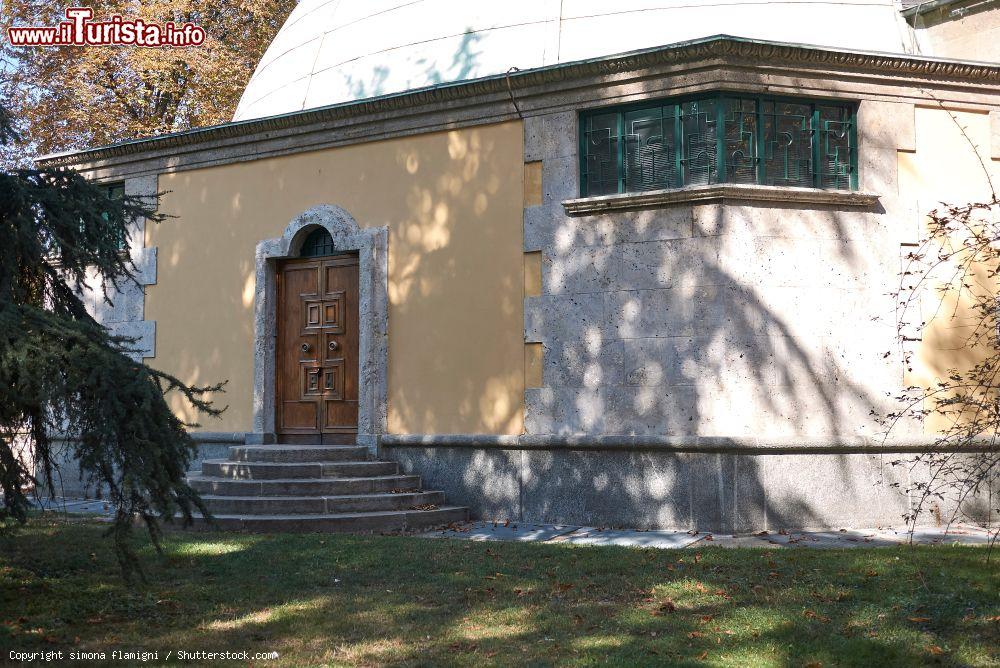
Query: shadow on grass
[394,600]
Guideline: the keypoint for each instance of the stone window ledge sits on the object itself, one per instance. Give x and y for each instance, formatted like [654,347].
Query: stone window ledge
[718,192]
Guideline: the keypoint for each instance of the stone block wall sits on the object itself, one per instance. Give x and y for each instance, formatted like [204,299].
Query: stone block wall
[716,319]
[122,310]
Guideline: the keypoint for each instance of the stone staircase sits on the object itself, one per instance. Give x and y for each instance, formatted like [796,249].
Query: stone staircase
[321,488]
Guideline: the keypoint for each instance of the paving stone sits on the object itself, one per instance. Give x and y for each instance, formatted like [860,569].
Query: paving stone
[458,527]
[503,531]
[621,537]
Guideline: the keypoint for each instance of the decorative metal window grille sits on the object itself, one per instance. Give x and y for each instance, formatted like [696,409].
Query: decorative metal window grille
[318,243]
[722,138]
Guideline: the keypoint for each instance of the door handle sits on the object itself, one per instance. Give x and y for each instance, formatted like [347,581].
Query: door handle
[333,345]
[305,347]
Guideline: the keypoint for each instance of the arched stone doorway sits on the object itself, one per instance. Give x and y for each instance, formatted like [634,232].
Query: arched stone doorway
[371,245]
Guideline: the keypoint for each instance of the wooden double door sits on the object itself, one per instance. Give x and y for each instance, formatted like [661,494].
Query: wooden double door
[317,350]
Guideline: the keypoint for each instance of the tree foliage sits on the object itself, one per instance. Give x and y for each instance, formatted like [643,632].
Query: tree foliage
[75,97]
[69,390]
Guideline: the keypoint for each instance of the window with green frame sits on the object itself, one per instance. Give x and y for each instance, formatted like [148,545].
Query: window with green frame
[719,138]
[116,191]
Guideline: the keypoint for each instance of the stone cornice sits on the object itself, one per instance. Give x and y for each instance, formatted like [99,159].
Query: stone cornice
[717,192]
[719,47]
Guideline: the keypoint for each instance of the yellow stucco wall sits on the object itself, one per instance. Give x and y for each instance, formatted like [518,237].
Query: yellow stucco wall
[946,168]
[452,202]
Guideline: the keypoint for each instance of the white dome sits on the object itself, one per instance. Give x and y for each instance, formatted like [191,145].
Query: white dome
[332,51]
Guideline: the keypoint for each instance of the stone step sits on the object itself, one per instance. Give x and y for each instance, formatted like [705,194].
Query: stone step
[319,505]
[298,453]
[303,486]
[224,468]
[392,520]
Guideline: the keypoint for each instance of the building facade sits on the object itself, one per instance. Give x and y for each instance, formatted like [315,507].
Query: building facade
[648,289]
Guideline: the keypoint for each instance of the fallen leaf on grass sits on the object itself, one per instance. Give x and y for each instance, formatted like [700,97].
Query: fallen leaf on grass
[695,634]
[667,606]
[935,650]
[919,620]
[812,615]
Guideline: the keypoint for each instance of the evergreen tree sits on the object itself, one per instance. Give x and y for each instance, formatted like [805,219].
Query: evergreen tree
[64,375]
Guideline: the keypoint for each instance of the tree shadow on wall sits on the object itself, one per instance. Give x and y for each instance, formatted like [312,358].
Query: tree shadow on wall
[726,327]
[462,64]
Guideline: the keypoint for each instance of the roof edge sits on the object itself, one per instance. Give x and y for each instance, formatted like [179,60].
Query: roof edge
[926,7]
[678,52]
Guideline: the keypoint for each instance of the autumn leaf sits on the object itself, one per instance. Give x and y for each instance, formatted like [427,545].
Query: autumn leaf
[919,620]
[667,606]
[71,98]
[812,615]
[935,650]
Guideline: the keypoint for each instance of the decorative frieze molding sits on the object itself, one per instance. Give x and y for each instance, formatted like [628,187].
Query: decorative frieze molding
[719,48]
[718,192]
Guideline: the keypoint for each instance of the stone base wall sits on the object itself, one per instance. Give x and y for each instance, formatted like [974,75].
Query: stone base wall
[717,492]
[68,482]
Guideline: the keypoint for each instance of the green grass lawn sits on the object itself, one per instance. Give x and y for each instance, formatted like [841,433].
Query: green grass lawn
[376,600]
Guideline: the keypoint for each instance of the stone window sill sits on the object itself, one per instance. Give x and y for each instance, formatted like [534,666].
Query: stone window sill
[718,192]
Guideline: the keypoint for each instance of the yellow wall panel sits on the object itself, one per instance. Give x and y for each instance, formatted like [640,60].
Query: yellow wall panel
[452,202]
[533,183]
[951,164]
[533,354]
[533,274]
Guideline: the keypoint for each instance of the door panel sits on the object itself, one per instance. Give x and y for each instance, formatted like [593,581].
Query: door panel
[317,346]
